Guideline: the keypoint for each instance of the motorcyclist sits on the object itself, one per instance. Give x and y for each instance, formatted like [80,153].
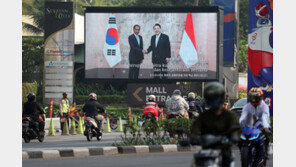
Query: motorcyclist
[215,120]
[33,110]
[92,108]
[256,107]
[177,104]
[152,107]
[194,107]
[200,102]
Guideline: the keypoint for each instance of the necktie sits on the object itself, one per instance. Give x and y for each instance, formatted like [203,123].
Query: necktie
[138,40]
[156,40]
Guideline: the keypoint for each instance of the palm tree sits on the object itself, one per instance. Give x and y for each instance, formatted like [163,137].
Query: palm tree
[37,14]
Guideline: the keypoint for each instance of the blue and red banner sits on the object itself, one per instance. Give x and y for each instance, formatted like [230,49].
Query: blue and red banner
[229,30]
[260,48]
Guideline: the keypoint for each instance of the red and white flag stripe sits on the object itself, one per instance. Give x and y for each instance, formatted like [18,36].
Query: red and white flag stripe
[188,50]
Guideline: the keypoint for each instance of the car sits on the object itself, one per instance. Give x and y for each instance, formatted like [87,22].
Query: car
[238,106]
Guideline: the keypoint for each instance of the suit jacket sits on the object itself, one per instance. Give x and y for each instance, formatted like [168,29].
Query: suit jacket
[162,51]
[135,54]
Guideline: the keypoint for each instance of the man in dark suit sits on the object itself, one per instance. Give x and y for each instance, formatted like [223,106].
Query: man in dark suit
[161,52]
[136,52]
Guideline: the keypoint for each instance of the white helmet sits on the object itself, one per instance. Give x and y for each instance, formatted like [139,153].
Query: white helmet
[151,98]
[191,95]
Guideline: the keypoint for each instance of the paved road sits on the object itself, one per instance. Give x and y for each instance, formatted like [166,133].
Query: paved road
[71,141]
[180,159]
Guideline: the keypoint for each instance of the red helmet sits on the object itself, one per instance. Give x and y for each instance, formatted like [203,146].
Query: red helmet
[151,98]
[93,96]
[255,96]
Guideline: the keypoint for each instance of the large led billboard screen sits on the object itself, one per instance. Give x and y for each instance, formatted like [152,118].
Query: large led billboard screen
[152,43]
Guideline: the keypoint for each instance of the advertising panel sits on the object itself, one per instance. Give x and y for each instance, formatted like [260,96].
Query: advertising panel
[161,43]
[229,30]
[58,51]
[260,51]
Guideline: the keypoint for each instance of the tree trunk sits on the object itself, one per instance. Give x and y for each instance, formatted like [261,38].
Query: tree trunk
[196,2]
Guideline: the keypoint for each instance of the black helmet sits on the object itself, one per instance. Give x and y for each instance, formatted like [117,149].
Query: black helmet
[31,96]
[214,94]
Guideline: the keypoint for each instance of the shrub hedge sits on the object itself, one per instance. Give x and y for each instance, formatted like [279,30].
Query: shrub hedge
[103,99]
[27,88]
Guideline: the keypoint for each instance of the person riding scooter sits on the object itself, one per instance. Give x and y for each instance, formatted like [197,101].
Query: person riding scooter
[258,108]
[194,108]
[177,105]
[33,110]
[152,107]
[215,120]
[94,109]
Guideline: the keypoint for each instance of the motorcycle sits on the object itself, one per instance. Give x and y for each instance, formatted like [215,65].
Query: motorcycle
[171,115]
[148,117]
[30,130]
[112,121]
[210,156]
[193,114]
[92,129]
[252,145]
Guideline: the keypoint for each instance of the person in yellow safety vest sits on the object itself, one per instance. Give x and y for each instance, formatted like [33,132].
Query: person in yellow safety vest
[64,110]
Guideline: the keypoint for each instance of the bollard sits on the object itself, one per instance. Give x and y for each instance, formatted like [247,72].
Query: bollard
[119,127]
[51,131]
[50,110]
[65,128]
[161,116]
[73,128]
[107,127]
[80,126]
[129,115]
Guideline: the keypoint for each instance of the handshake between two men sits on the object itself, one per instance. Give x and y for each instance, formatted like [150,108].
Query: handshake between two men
[160,48]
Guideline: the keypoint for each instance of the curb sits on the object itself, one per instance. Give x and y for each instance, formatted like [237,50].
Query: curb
[94,151]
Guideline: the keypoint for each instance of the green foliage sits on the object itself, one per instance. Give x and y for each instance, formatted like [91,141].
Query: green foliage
[243,56]
[103,99]
[243,19]
[81,89]
[177,123]
[242,94]
[123,112]
[137,138]
[35,9]
[27,88]
[32,58]
[158,131]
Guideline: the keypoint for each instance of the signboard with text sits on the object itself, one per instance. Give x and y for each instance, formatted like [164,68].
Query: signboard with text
[58,51]
[138,93]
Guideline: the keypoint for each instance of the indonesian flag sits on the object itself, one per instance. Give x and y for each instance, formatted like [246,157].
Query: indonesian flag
[188,50]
